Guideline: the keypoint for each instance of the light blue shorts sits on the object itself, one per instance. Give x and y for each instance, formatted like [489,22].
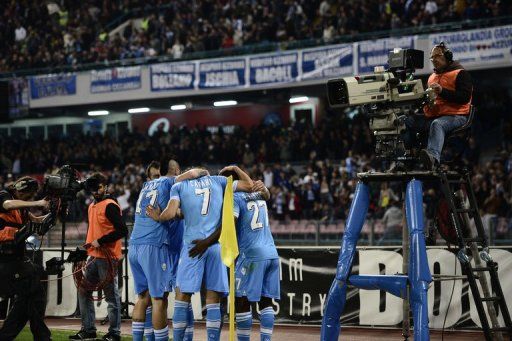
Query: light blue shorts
[207,269]
[256,278]
[151,269]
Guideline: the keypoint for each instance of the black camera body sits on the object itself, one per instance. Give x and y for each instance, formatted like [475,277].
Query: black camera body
[55,265]
[61,188]
[64,185]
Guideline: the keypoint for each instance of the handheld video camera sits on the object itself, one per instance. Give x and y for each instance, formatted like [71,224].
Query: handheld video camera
[386,96]
[62,188]
[64,185]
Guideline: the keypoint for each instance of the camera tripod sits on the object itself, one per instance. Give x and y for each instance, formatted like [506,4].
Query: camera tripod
[125,314]
[414,285]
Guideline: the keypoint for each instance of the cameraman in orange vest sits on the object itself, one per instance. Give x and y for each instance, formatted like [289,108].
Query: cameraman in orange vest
[21,278]
[106,229]
[453,89]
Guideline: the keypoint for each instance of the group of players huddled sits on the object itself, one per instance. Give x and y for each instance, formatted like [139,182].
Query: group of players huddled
[174,247]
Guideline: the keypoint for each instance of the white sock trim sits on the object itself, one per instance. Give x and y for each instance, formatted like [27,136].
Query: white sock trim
[266,331]
[243,332]
[213,324]
[179,325]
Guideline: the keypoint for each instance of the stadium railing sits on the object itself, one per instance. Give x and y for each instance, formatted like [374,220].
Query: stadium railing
[313,232]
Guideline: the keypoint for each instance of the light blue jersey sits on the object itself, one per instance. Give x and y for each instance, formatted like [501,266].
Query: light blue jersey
[255,240]
[201,204]
[146,231]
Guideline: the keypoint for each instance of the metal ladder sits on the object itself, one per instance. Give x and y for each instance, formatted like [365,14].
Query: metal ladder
[453,185]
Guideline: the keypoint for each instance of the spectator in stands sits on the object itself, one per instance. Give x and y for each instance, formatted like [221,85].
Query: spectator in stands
[294,206]
[76,32]
[392,220]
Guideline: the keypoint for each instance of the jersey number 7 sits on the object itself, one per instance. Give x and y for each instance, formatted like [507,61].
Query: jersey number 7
[206,199]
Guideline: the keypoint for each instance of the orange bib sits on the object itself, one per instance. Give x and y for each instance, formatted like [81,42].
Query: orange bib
[99,225]
[441,106]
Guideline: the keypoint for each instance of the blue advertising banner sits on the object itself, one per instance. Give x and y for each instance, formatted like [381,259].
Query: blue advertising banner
[373,53]
[173,76]
[115,79]
[277,68]
[478,48]
[52,85]
[222,73]
[329,62]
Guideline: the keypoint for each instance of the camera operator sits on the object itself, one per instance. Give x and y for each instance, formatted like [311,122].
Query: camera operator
[21,278]
[106,229]
[453,88]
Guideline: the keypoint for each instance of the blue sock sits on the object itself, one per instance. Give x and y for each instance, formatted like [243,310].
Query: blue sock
[179,320]
[213,321]
[137,330]
[189,331]
[243,326]
[266,323]
[148,325]
[162,334]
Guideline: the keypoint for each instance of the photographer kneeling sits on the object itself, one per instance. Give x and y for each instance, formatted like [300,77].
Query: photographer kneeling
[21,278]
[103,244]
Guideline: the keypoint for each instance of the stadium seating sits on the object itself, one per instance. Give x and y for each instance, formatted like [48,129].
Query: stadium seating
[75,33]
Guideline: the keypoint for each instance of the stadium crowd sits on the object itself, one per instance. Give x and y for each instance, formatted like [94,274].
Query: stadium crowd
[65,32]
[312,176]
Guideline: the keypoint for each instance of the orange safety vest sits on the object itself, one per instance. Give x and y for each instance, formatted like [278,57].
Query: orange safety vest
[12,221]
[99,225]
[441,106]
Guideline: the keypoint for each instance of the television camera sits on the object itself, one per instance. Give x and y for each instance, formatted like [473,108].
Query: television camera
[58,188]
[387,97]
[61,189]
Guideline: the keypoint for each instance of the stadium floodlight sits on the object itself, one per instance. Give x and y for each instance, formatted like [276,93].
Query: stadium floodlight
[138,110]
[298,99]
[98,113]
[224,103]
[178,107]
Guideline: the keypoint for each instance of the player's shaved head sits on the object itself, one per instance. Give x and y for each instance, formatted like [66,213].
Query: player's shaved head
[173,168]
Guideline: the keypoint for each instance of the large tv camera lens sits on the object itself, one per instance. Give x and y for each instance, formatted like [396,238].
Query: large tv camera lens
[337,92]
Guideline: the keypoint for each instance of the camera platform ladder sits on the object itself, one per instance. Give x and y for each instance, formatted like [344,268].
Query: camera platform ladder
[413,285]
[456,187]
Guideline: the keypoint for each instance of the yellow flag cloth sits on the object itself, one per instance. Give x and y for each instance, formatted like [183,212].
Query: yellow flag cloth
[229,250]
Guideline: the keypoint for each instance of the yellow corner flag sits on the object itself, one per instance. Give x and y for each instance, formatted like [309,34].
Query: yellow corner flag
[229,250]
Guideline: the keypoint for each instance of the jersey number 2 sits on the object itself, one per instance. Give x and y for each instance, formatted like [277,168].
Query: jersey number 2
[253,206]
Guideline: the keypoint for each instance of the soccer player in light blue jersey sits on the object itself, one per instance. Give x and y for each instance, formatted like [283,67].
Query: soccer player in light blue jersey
[149,254]
[257,266]
[200,201]
[152,173]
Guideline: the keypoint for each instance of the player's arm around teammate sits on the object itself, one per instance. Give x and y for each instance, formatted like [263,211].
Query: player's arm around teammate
[200,245]
[172,210]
